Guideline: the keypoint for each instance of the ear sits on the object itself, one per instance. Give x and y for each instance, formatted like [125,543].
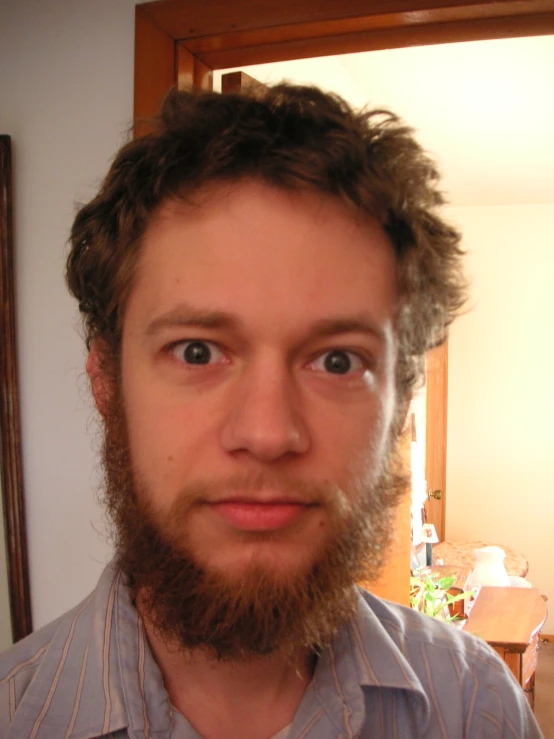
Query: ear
[99,380]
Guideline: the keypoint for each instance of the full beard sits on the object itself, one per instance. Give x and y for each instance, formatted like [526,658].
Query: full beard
[259,611]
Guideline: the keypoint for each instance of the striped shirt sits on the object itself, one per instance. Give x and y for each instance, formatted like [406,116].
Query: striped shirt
[390,673]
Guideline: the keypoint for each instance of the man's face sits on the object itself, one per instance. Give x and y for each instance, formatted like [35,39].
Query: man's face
[257,373]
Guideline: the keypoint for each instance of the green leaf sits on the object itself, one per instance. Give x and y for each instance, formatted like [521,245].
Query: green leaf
[455,598]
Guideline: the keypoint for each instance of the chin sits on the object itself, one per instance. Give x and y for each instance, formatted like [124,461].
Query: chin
[278,565]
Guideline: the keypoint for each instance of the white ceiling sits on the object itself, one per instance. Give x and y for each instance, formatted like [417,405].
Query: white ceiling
[484,109]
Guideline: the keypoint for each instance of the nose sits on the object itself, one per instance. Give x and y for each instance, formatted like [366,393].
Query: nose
[265,418]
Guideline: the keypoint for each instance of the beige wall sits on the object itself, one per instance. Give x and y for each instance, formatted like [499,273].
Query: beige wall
[500,468]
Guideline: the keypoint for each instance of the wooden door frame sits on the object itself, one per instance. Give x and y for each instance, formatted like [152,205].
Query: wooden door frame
[219,34]
[11,475]
[182,41]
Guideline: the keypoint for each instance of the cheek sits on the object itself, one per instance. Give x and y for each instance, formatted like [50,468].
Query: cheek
[361,441]
[168,439]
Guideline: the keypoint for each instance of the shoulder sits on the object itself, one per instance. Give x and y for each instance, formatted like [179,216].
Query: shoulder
[27,654]
[463,681]
[45,669]
[412,631]
[20,663]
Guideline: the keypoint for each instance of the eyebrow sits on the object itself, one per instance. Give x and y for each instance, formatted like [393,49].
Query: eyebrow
[186,315]
[357,324]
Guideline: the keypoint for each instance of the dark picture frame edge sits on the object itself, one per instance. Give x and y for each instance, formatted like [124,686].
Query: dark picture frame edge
[10,439]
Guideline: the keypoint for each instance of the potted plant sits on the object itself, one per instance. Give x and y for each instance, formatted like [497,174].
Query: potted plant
[437,598]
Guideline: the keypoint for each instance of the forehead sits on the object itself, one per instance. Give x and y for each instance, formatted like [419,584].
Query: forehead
[253,248]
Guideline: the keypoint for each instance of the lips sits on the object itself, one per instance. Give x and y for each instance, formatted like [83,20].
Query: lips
[250,515]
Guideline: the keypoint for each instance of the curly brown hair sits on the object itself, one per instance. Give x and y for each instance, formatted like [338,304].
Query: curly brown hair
[294,137]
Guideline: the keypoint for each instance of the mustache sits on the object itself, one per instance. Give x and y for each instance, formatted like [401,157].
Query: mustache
[262,487]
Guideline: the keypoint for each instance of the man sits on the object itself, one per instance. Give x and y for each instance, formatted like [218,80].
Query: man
[259,278]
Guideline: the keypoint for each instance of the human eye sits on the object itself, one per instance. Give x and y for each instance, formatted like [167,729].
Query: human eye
[339,362]
[198,352]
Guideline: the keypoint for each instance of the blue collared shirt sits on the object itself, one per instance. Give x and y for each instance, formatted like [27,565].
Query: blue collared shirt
[390,673]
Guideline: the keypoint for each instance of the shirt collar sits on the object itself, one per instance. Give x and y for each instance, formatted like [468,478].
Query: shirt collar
[365,653]
[120,667]
[375,633]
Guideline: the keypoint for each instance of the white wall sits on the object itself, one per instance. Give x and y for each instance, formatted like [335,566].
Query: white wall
[66,82]
[500,463]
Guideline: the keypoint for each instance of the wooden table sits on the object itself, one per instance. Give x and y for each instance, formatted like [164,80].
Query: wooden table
[510,619]
[460,554]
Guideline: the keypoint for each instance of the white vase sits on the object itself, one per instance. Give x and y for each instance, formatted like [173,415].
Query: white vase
[489,569]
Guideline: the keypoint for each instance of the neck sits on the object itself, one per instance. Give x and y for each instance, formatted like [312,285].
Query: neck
[216,695]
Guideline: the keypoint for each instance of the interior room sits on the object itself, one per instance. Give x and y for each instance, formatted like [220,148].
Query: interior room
[483,108]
